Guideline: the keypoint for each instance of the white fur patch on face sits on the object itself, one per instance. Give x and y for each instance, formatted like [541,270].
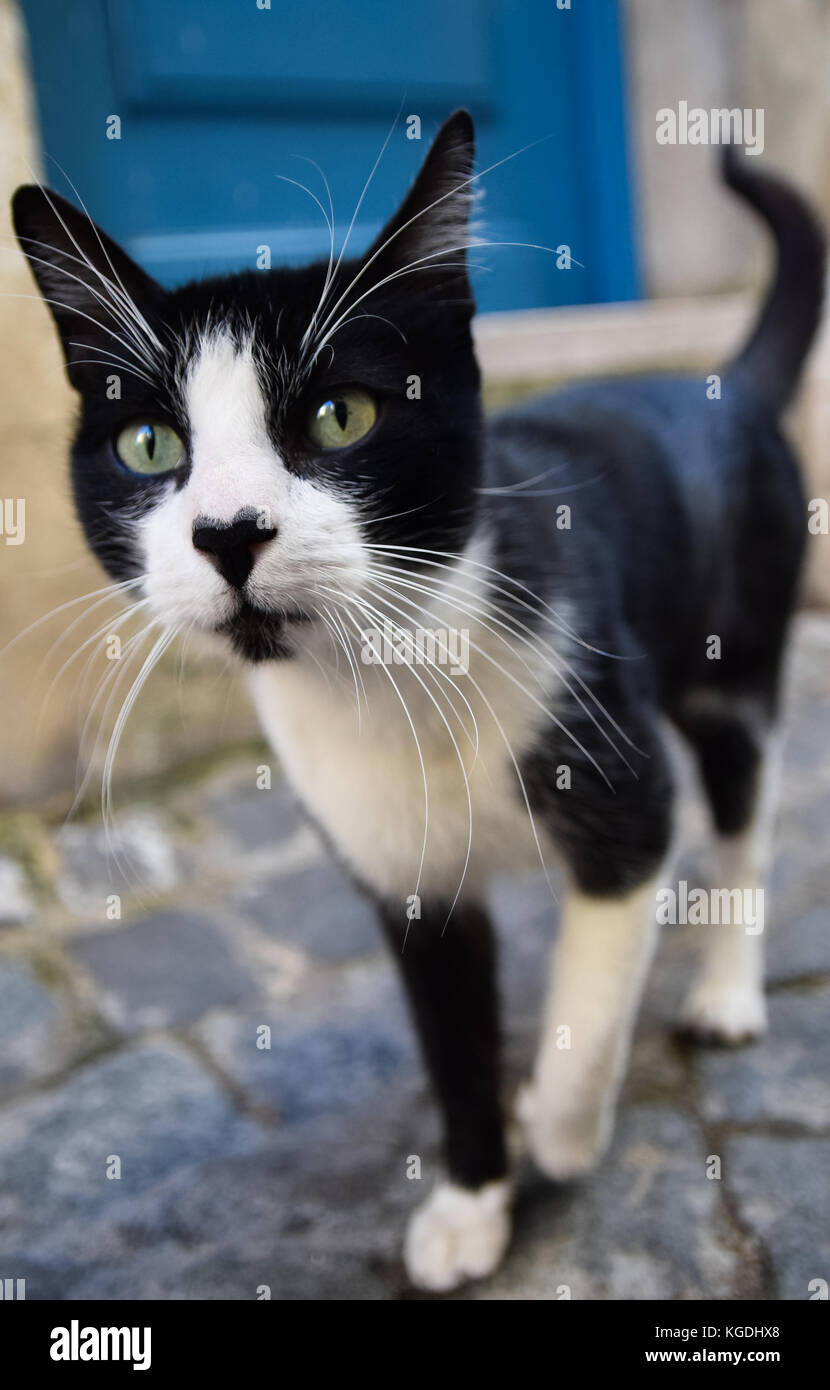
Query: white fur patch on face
[235,466]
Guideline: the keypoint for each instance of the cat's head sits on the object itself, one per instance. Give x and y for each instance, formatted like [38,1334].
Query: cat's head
[244,440]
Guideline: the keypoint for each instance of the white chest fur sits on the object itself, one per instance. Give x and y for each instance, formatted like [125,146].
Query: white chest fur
[404,785]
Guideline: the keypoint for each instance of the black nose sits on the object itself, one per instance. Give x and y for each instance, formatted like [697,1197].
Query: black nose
[232,544]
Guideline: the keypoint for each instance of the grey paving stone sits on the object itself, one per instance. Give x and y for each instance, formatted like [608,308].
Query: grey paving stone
[799,946]
[27,1015]
[526,918]
[316,909]
[254,818]
[800,879]
[782,1193]
[671,974]
[318,1212]
[137,857]
[16,905]
[656,1067]
[212,1205]
[153,1107]
[334,1048]
[646,1226]
[313,1212]
[792,887]
[785,1076]
[41,1030]
[164,970]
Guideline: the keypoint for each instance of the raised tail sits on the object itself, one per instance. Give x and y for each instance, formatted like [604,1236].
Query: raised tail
[770,362]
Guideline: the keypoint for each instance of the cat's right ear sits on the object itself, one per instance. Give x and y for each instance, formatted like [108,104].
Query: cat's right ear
[102,302]
[430,230]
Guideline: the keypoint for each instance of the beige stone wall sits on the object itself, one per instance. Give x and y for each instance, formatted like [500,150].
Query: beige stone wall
[695,238]
[769,54]
[39,735]
[35,409]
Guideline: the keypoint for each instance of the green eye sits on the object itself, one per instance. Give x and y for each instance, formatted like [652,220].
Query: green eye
[146,448]
[342,419]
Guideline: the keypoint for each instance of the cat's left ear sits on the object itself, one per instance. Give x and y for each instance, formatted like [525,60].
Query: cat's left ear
[431,227]
[98,297]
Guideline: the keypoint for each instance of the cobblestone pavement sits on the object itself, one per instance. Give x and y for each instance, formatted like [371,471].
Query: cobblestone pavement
[242,1166]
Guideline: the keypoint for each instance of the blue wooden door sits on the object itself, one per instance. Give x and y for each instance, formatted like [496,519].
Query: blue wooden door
[215,99]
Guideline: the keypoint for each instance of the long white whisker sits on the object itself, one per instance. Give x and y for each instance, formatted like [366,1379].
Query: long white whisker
[98,362]
[349,230]
[559,625]
[110,680]
[328,332]
[61,638]
[155,654]
[514,761]
[432,670]
[73,309]
[382,592]
[451,193]
[109,589]
[551,658]
[525,483]
[423,262]
[111,625]
[334,624]
[128,302]
[106,303]
[372,610]
[349,319]
[116,359]
[328,218]
[517,771]
[429,663]
[110,303]
[554,619]
[318,663]
[420,754]
[563,728]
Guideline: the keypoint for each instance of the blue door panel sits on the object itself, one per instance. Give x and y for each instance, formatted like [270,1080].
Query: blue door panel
[320,57]
[221,102]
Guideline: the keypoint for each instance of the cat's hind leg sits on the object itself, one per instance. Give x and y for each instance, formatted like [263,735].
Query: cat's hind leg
[739,755]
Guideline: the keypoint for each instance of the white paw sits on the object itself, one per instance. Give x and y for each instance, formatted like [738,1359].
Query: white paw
[457,1234]
[717,1011]
[563,1146]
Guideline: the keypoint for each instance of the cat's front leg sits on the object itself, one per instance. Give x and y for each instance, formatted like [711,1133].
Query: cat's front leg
[598,969]
[461,1231]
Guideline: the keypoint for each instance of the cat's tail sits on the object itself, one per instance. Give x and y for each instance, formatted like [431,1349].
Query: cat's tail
[770,362]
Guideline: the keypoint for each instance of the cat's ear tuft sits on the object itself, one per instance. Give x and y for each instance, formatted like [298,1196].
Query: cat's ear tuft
[94,290]
[432,225]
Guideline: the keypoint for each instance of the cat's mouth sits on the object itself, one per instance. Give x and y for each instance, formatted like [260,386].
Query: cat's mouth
[258,635]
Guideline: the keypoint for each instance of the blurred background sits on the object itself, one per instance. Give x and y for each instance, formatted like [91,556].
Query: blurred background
[218,104]
[137,967]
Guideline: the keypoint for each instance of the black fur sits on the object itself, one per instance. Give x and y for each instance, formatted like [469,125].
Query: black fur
[687,523]
[425,456]
[450,979]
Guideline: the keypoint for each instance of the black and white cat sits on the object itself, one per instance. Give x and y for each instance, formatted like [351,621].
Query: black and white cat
[269,474]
